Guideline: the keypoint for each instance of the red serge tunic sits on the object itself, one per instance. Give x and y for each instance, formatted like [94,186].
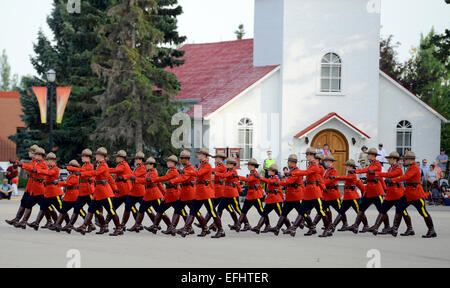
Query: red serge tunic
[414,190]
[274,193]
[153,191]
[350,192]
[253,184]
[312,189]
[219,182]
[294,185]
[172,190]
[37,185]
[138,189]
[85,181]
[72,188]
[30,176]
[51,181]
[374,188]
[186,182]
[103,183]
[333,192]
[231,183]
[123,173]
[394,191]
[204,181]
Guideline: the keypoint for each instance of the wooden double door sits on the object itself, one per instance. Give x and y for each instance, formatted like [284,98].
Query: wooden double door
[338,145]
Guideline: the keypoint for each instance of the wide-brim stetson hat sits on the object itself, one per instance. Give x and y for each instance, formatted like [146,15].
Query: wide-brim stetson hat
[253,162]
[204,151]
[139,155]
[410,155]
[74,163]
[231,160]
[102,151]
[311,150]
[51,156]
[274,167]
[350,162]
[293,158]
[150,160]
[393,155]
[39,151]
[121,153]
[220,155]
[319,156]
[329,158]
[32,148]
[86,153]
[185,154]
[372,151]
[172,158]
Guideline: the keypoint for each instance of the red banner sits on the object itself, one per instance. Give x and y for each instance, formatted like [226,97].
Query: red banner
[62,97]
[41,95]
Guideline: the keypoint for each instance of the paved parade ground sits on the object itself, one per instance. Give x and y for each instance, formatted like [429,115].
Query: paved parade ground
[28,248]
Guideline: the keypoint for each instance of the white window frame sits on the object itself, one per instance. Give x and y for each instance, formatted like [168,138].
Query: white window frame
[246,125]
[332,66]
[404,126]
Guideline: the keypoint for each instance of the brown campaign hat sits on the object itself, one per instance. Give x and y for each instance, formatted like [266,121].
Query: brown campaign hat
[39,151]
[394,155]
[293,158]
[121,153]
[253,162]
[74,163]
[311,150]
[172,158]
[231,160]
[319,156]
[372,151]
[204,151]
[32,148]
[87,153]
[220,155]
[329,158]
[273,167]
[410,155]
[51,156]
[185,154]
[139,155]
[102,151]
[150,160]
[350,162]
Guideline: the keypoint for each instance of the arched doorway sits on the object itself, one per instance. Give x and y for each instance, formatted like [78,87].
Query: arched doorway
[338,145]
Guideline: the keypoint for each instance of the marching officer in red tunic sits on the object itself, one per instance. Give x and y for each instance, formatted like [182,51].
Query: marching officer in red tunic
[37,189]
[123,174]
[85,192]
[103,193]
[414,195]
[331,196]
[254,195]
[395,192]
[274,198]
[137,190]
[27,191]
[373,191]
[203,195]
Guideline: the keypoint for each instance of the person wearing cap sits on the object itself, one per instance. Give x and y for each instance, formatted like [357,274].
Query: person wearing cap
[27,192]
[152,198]
[332,195]
[267,163]
[122,174]
[394,193]
[37,189]
[187,183]
[414,195]
[137,189]
[172,192]
[52,193]
[103,193]
[85,191]
[254,195]
[273,201]
[381,153]
[71,187]
[230,199]
[351,196]
[203,195]
[293,200]
[373,191]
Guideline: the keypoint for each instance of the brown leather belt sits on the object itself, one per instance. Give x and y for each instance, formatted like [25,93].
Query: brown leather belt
[151,186]
[72,188]
[353,187]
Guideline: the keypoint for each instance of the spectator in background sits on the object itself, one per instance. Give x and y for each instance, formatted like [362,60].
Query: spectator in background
[424,170]
[5,190]
[12,171]
[283,174]
[319,149]
[439,173]
[362,159]
[381,153]
[431,176]
[15,185]
[442,160]
[326,150]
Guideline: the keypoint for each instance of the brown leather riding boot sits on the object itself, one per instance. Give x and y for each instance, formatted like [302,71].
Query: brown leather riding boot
[172,228]
[23,224]
[87,222]
[374,228]
[317,219]
[396,224]
[57,226]
[118,230]
[137,226]
[207,218]
[234,217]
[276,229]
[336,222]
[261,222]
[344,223]
[187,227]
[365,223]
[35,224]
[387,228]
[355,226]
[312,227]
[154,228]
[125,217]
[293,228]
[240,221]
[73,220]
[268,227]
[409,229]
[220,233]
[205,230]
[49,219]
[431,233]
[166,221]
[326,223]
[19,215]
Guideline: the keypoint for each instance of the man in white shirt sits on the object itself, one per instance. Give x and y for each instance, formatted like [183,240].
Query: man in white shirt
[381,153]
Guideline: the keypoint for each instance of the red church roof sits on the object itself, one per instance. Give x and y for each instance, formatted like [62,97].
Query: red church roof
[325,119]
[215,73]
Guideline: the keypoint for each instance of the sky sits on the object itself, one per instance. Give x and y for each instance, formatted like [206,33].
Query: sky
[213,21]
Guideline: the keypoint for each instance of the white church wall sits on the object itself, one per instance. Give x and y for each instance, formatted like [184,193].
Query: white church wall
[311,29]
[396,106]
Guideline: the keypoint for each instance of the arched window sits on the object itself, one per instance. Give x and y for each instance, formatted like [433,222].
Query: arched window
[404,133]
[245,138]
[330,75]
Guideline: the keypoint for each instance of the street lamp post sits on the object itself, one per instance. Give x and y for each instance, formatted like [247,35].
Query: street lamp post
[51,77]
